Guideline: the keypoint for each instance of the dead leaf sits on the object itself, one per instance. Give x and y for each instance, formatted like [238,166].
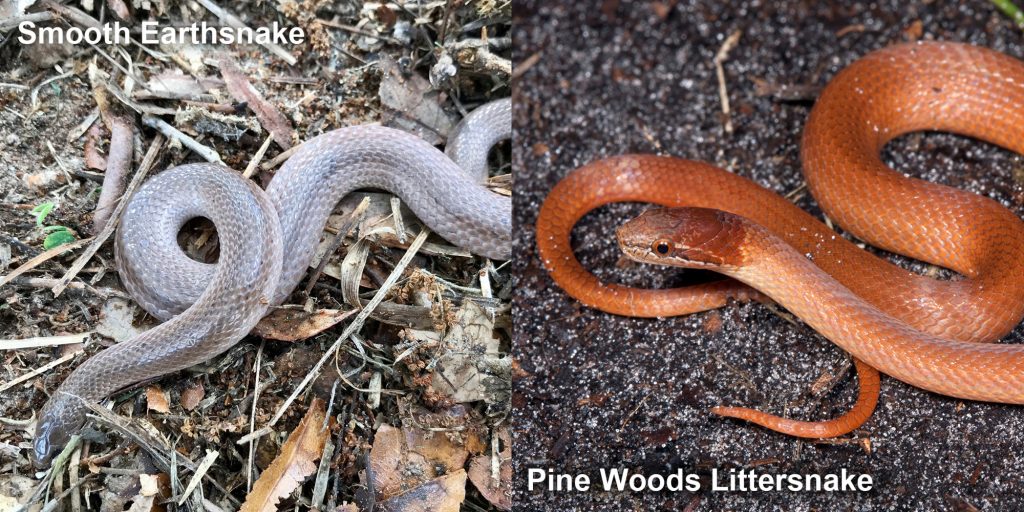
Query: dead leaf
[499,492]
[144,504]
[386,16]
[153,492]
[407,458]
[471,367]
[192,395]
[156,400]
[119,492]
[116,320]
[296,324]
[296,461]
[416,103]
[270,117]
[442,494]
[458,417]
[15,490]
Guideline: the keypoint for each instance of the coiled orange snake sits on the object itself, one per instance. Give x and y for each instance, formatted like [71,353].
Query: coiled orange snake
[925,332]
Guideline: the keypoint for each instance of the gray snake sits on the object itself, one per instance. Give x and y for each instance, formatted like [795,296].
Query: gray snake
[267,241]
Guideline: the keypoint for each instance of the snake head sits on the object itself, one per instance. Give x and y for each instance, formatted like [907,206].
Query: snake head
[49,442]
[56,423]
[684,237]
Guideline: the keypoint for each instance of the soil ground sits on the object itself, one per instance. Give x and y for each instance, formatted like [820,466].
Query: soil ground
[601,391]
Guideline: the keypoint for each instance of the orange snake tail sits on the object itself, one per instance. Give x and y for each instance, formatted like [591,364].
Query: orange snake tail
[867,399]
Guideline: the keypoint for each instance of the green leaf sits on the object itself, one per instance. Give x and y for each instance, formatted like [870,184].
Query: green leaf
[1010,9]
[58,237]
[41,212]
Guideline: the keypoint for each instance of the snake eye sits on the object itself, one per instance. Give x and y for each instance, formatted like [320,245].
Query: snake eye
[662,246]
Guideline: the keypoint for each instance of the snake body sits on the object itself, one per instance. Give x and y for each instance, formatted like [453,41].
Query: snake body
[917,329]
[267,241]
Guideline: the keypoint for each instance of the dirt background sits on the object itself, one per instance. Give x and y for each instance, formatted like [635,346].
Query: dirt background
[599,391]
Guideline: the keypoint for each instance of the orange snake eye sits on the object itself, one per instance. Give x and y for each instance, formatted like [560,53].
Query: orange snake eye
[662,246]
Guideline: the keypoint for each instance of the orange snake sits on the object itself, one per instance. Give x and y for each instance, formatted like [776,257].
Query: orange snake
[922,331]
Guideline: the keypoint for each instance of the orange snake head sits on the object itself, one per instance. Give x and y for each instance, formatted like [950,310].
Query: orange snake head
[684,237]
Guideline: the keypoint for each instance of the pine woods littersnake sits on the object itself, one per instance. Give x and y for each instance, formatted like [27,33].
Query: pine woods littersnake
[267,241]
[922,331]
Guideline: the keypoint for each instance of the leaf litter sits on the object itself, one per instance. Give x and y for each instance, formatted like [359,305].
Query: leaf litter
[148,448]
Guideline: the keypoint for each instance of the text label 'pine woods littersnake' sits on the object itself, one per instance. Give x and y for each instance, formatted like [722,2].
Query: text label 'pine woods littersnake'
[919,330]
[267,241]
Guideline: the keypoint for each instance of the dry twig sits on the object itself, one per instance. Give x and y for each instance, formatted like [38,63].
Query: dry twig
[38,371]
[79,264]
[45,341]
[350,222]
[209,154]
[42,258]
[723,92]
[231,20]
[257,158]
[352,328]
